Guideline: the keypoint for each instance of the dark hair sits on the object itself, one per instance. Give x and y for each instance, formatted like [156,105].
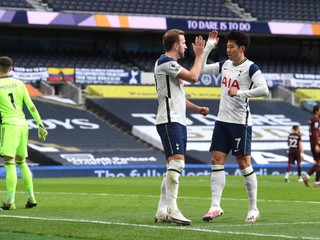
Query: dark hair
[241,38]
[5,64]
[171,37]
[316,108]
[295,127]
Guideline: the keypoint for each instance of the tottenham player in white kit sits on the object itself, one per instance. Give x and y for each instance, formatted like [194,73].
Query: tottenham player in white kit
[241,79]
[171,116]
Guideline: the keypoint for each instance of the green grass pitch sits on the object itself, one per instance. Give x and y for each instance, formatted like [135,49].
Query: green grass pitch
[124,208]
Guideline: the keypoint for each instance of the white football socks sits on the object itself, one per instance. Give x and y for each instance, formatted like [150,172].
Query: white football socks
[162,205]
[218,181]
[251,184]
[172,183]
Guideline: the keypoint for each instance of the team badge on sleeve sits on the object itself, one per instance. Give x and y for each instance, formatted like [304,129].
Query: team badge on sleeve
[175,66]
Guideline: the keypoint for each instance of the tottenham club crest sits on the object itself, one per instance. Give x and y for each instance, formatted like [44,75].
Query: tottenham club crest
[177,146]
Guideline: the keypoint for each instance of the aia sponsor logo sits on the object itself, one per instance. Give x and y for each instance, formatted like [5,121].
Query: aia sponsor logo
[230,83]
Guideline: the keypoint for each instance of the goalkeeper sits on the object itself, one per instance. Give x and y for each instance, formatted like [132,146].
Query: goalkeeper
[14,133]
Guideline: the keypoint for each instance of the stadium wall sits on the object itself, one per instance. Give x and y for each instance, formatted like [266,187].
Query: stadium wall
[147,170]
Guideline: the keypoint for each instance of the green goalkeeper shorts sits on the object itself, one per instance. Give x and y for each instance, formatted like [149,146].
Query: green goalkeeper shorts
[14,140]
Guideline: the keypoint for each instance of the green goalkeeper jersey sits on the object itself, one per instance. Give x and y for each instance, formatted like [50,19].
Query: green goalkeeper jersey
[13,93]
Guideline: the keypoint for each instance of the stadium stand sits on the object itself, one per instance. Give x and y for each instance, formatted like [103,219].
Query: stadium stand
[294,11]
[306,11]
[123,136]
[142,60]
[268,57]
[209,9]
[76,135]
[65,58]
[273,122]
[16,4]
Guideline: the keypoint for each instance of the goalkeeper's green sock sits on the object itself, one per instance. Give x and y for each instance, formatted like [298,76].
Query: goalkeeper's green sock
[26,177]
[11,180]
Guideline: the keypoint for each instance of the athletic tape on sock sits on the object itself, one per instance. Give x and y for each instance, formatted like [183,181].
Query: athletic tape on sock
[176,165]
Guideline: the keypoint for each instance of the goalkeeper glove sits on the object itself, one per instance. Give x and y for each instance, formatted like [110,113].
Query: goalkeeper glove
[42,133]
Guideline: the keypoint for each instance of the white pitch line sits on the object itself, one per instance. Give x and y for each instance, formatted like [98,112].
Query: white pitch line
[159,227]
[183,197]
[265,224]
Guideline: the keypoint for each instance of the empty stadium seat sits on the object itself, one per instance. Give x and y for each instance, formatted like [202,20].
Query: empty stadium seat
[144,61]
[305,11]
[208,9]
[16,4]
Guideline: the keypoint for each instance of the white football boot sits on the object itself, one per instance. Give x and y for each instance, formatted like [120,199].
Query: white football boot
[216,212]
[252,216]
[177,217]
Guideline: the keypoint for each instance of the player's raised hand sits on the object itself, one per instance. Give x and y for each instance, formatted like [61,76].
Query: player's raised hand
[204,111]
[198,45]
[213,38]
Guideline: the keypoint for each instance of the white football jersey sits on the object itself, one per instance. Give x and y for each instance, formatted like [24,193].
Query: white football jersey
[170,91]
[250,82]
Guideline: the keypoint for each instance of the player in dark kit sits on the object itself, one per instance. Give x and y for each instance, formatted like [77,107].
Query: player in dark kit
[314,133]
[295,152]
